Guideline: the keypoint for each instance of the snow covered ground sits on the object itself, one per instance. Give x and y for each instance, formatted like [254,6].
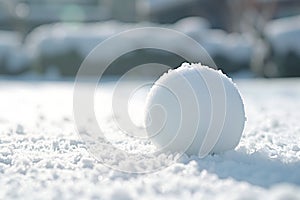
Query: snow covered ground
[42,156]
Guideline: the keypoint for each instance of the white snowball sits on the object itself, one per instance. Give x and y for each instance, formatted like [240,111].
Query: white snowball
[196,110]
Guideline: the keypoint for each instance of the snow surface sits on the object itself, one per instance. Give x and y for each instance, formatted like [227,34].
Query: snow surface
[42,156]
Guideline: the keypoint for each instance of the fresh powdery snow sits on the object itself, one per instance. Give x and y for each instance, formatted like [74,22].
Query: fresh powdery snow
[43,157]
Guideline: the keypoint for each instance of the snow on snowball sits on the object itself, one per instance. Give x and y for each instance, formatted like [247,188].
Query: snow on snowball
[194,109]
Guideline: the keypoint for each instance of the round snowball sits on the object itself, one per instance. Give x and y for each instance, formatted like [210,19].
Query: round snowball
[196,110]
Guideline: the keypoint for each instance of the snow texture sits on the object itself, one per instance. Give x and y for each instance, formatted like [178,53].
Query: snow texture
[42,156]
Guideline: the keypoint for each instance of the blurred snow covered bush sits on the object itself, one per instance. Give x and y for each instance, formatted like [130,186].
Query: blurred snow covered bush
[277,54]
[64,46]
[192,26]
[231,52]
[13,58]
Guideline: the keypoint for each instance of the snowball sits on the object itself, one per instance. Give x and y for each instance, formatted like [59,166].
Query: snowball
[196,110]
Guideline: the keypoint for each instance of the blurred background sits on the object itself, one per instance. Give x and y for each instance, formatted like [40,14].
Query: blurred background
[50,38]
